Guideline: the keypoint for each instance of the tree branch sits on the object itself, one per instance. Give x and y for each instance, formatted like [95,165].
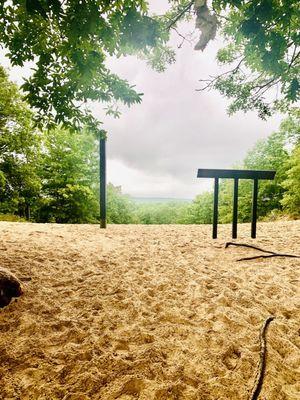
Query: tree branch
[215,78]
[269,253]
[177,18]
[184,38]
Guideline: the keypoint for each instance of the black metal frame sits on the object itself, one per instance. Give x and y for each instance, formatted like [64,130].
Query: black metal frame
[235,174]
[102,183]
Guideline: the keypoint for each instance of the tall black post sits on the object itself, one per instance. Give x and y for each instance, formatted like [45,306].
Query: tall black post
[216,201]
[235,208]
[254,208]
[102,175]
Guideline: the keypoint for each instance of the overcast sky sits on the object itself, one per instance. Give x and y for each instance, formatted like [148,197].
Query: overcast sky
[155,148]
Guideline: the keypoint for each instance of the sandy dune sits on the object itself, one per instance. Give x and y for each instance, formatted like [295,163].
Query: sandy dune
[148,312]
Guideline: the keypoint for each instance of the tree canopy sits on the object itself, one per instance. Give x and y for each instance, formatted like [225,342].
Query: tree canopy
[69,42]
[263,41]
[261,53]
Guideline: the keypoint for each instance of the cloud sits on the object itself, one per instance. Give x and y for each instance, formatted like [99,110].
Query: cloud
[139,183]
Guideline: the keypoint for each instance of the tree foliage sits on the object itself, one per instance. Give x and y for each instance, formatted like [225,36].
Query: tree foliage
[171,212]
[291,196]
[201,210]
[263,45]
[262,49]
[267,154]
[19,149]
[291,126]
[69,42]
[120,209]
[69,174]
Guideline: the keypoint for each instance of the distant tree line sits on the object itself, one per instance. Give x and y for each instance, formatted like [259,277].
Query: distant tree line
[52,175]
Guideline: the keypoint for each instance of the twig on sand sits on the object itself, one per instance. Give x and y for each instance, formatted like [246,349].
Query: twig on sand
[268,255]
[262,362]
[246,245]
[111,293]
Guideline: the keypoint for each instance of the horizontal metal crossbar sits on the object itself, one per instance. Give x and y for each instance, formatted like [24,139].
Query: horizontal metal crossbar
[235,173]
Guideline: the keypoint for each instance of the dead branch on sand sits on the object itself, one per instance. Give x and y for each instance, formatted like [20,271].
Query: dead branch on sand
[269,255]
[262,362]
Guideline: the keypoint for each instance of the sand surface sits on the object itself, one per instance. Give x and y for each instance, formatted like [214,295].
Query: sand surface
[148,312]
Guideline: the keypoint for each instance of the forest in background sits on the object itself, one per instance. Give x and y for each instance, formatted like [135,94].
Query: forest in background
[52,175]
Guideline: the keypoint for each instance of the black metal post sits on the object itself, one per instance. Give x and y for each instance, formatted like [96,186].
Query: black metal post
[254,208]
[102,175]
[216,201]
[235,208]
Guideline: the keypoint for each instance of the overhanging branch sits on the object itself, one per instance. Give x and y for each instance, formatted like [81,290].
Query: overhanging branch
[181,13]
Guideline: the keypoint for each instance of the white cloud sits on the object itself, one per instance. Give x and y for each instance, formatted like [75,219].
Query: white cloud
[137,183]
